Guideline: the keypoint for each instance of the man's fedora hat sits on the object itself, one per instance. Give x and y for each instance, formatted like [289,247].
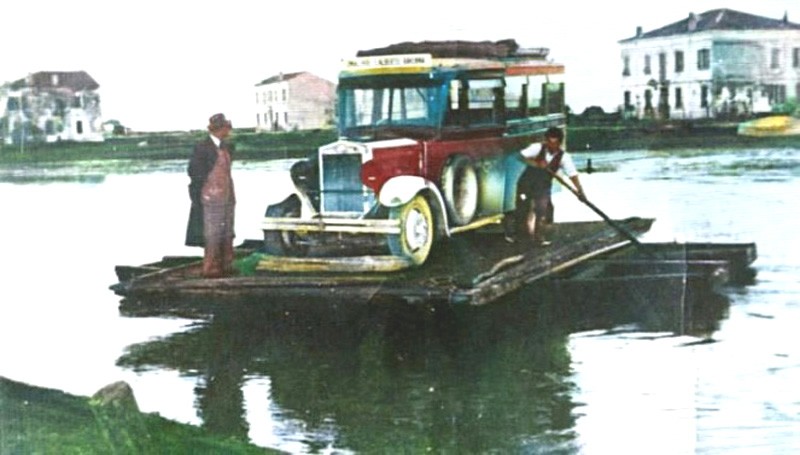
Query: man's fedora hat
[218,121]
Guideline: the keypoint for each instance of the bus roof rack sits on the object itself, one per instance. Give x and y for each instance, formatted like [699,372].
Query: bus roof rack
[503,49]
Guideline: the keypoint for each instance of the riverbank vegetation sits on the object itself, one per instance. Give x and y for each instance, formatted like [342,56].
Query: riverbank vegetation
[582,136]
[38,420]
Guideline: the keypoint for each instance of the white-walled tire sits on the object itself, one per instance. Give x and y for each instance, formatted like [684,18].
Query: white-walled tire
[460,189]
[416,237]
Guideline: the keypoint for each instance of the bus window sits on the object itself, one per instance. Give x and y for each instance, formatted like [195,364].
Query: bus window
[516,97]
[554,97]
[536,94]
[486,101]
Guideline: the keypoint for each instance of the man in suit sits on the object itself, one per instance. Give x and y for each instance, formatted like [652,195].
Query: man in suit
[213,199]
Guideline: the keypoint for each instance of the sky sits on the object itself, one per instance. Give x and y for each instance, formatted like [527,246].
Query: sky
[169,65]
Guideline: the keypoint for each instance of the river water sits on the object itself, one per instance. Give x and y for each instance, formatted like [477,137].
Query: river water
[524,375]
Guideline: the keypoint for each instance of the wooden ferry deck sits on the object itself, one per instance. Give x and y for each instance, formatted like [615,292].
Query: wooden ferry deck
[471,269]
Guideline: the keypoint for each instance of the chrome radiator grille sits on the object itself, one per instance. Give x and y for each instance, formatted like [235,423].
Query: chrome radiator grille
[340,183]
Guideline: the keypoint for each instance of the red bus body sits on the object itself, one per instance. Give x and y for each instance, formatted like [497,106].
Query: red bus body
[428,146]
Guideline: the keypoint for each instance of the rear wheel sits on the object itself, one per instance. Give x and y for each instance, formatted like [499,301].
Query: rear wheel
[460,189]
[284,243]
[415,240]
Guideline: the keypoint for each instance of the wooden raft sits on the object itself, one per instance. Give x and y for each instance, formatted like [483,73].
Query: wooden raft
[472,269]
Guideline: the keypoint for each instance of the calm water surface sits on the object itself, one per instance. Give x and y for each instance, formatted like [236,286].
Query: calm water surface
[530,374]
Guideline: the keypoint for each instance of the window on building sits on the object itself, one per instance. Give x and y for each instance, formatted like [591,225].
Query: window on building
[627,102]
[775,61]
[796,57]
[283,95]
[678,61]
[626,66]
[286,117]
[704,96]
[646,64]
[703,59]
[678,98]
[776,93]
[662,66]
[648,99]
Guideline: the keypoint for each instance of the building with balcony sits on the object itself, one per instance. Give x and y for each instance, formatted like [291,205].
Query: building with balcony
[721,63]
[294,101]
[51,106]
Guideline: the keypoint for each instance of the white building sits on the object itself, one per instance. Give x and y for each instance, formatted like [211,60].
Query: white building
[51,106]
[294,101]
[715,64]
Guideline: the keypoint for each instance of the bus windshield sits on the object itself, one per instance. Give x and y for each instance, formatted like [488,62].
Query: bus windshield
[374,107]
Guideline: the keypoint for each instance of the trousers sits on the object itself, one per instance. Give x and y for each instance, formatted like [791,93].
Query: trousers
[218,233]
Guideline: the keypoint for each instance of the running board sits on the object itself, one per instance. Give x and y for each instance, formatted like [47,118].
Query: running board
[350,264]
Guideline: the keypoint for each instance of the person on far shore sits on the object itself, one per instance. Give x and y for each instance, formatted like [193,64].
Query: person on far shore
[534,207]
[213,199]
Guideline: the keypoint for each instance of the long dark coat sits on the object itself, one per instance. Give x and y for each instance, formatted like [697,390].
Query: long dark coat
[202,161]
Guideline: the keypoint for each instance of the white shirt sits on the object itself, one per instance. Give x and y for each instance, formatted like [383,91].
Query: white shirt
[567,165]
[215,139]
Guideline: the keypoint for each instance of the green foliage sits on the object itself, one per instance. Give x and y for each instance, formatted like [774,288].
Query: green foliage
[36,420]
[790,107]
[249,145]
[247,265]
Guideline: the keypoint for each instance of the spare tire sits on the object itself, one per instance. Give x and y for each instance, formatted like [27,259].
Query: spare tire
[460,189]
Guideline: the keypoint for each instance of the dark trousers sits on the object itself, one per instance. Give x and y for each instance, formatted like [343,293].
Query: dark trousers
[529,212]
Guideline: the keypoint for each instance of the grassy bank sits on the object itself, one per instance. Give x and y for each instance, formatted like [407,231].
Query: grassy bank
[37,420]
[161,146]
[263,146]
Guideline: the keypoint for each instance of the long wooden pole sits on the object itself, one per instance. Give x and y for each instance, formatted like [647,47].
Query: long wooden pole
[626,233]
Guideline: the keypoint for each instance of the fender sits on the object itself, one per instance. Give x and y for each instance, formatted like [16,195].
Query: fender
[401,189]
[307,209]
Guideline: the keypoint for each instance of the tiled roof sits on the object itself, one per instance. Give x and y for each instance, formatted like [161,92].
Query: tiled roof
[74,80]
[719,19]
[280,77]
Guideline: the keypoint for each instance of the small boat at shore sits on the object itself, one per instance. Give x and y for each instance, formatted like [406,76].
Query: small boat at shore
[774,125]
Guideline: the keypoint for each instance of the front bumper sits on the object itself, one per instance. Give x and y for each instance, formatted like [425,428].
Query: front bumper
[340,225]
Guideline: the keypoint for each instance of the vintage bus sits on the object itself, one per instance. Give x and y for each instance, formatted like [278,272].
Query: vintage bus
[429,140]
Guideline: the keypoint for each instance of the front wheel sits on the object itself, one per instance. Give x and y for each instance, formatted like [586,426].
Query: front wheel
[284,243]
[415,240]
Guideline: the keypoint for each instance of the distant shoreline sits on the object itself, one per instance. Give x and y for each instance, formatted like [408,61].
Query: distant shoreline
[655,136]
[267,146]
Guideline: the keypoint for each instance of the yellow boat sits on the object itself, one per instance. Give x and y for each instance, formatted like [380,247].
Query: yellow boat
[774,125]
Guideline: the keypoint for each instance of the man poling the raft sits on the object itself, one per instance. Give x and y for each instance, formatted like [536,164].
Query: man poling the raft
[534,207]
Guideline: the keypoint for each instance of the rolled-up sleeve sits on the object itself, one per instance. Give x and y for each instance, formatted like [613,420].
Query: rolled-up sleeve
[568,165]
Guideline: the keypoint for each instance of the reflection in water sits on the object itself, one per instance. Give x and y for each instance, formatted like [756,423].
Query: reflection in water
[356,377]
[373,375]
